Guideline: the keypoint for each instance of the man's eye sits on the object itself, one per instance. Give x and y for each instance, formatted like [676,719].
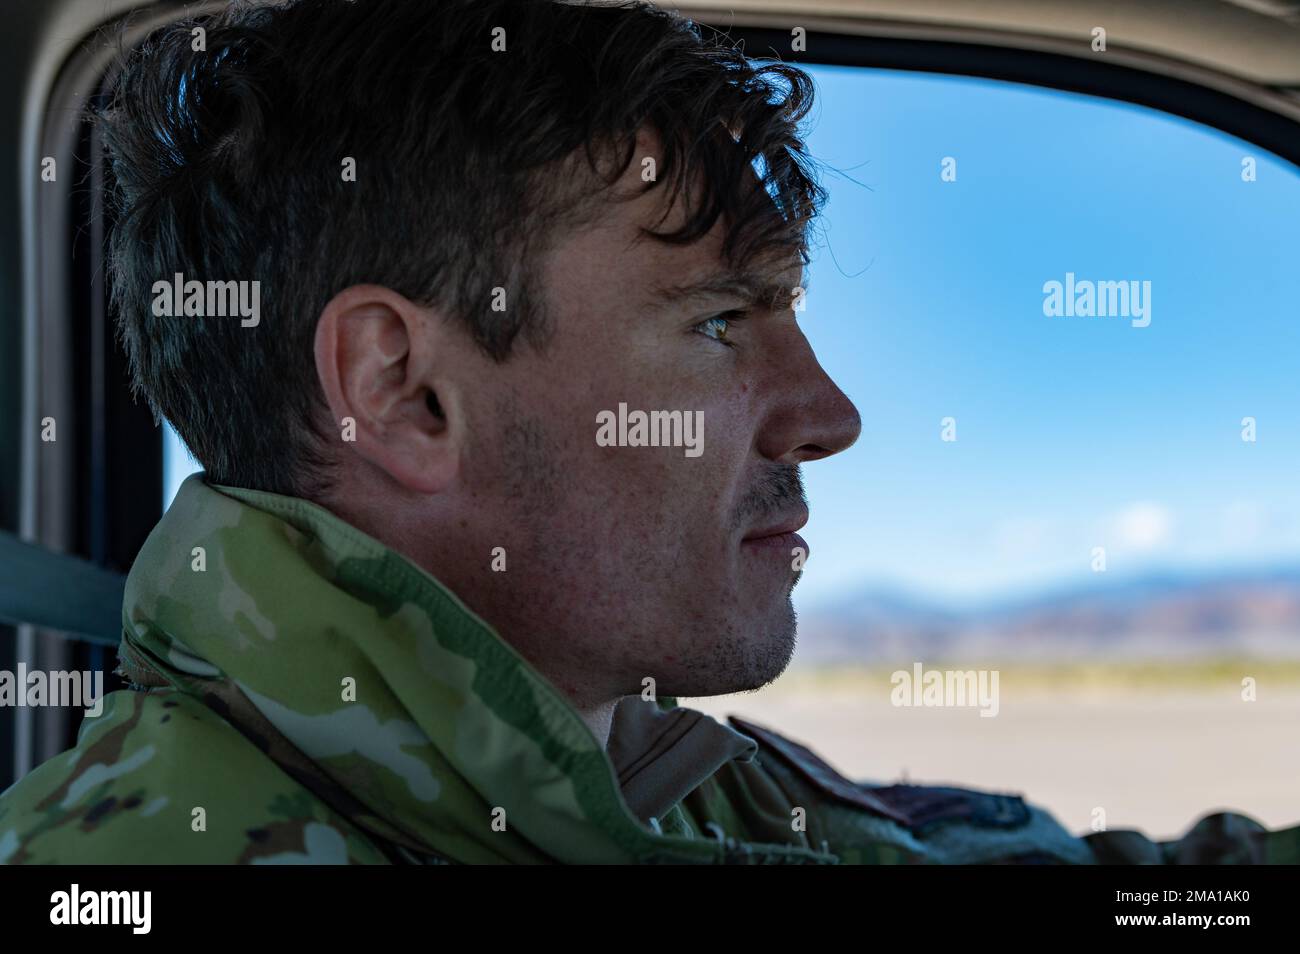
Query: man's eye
[717,326]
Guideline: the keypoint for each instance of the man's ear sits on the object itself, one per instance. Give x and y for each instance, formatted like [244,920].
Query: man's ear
[378,358]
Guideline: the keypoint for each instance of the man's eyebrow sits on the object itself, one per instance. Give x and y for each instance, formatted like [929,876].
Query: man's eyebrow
[750,287]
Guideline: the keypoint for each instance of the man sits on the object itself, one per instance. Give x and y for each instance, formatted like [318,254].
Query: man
[504,458]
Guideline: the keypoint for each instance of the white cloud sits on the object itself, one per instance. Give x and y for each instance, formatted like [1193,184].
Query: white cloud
[1143,526]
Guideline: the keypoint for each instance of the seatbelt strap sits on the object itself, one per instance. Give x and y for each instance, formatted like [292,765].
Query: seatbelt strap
[60,592]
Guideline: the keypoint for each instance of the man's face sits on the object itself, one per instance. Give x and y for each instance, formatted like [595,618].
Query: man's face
[627,562]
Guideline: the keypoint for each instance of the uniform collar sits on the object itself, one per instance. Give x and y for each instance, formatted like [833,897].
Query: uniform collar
[365,677]
[663,753]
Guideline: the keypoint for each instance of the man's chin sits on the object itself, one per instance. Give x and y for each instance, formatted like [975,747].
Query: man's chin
[770,667]
[745,664]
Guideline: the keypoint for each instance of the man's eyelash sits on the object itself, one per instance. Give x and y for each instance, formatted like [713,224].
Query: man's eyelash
[729,317]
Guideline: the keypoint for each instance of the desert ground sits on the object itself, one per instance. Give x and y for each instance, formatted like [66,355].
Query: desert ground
[1155,748]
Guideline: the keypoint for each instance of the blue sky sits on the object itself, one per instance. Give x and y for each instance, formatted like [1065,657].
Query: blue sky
[926,302]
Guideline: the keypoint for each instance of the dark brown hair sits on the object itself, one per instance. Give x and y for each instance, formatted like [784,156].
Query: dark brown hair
[227,164]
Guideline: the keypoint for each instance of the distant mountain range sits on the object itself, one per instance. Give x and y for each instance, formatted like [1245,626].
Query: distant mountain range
[1160,616]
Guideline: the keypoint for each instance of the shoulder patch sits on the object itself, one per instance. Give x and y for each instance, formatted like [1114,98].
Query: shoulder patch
[917,807]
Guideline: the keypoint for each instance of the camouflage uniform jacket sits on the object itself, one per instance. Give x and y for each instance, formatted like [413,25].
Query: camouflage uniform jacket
[301,693]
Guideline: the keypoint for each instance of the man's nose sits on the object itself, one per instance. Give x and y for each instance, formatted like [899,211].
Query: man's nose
[811,417]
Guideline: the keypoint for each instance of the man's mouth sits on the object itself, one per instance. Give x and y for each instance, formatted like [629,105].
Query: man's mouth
[780,536]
